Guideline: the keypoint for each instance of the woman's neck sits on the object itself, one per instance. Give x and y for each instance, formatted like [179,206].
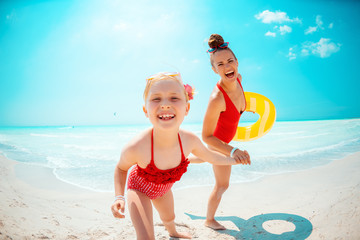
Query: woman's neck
[228,86]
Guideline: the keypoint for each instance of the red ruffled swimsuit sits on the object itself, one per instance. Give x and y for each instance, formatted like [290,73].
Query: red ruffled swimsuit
[228,120]
[155,182]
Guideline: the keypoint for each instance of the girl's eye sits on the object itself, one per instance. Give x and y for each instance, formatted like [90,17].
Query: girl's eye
[174,98]
[156,99]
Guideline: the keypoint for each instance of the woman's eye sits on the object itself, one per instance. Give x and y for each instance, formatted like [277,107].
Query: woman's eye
[174,98]
[231,60]
[156,99]
[220,64]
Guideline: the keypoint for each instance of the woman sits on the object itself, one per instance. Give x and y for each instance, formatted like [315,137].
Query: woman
[226,104]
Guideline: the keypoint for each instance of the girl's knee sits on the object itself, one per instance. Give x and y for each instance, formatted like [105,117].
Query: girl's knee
[221,188]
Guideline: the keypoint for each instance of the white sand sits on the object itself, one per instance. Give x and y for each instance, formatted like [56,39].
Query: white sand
[323,202]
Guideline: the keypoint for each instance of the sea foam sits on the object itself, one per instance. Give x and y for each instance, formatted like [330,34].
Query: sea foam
[86,156]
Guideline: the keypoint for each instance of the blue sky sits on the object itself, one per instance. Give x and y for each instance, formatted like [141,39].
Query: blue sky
[79,62]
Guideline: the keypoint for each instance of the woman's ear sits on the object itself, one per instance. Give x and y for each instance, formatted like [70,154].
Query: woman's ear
[214,69]
[145,111]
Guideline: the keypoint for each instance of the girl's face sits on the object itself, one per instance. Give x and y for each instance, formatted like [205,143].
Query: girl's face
[166,104]
[225,64]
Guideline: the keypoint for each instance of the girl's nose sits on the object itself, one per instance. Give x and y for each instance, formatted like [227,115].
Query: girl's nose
[165,105]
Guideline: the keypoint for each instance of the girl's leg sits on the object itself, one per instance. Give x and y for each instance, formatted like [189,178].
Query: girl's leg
[222,178]
[165,206]
[140,210]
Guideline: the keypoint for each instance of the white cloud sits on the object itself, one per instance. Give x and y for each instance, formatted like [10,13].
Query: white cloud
[270,34]
[285,29]
[305,52]
[291,55]
[296,20]
[319,25]
[310,30]
[275,17]
[324,48]
[319,22]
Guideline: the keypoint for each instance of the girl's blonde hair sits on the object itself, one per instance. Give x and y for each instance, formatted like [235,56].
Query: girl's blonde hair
[175,76]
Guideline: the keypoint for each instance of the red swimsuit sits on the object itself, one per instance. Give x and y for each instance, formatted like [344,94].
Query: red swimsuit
[228,120]
[155,182]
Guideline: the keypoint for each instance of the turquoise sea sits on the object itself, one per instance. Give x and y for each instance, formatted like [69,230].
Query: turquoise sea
[86,156]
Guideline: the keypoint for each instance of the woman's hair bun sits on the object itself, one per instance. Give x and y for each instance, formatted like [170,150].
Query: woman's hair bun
[215,40]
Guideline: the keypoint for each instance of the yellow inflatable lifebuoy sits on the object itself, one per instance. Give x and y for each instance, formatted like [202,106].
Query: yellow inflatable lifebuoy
[265,108]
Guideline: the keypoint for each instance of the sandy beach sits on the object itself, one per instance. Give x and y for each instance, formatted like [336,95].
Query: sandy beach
[319,203]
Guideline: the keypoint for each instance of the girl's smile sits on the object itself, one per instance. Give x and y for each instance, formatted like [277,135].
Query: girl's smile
[166,116]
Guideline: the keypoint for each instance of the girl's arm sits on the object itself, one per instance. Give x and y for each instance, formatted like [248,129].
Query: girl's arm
[193,159]
[205,154]
[127,159]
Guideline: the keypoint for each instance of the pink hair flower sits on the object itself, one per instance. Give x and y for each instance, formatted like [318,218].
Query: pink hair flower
[190,91]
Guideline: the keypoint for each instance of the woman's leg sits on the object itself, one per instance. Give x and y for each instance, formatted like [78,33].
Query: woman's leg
[222,178]
[165,206]
[140,210]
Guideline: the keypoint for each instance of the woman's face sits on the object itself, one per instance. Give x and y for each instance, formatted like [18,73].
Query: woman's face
[225,64]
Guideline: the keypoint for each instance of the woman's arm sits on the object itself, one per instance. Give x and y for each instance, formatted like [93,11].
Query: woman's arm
[205,154]
[215,107]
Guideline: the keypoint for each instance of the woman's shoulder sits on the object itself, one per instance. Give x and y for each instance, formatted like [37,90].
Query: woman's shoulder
[217,99]
[216,94]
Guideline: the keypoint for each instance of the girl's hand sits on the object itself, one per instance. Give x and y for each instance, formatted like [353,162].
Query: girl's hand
[119,204]
[242,157]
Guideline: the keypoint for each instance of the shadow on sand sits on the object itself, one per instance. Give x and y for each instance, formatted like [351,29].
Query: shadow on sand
[253,227]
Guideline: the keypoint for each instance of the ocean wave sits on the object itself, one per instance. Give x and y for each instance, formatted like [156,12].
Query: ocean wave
[310,136]
[86,157]
[44,135]
[59,162]
[286,133]
[13,148]
[88,147]
[312,150]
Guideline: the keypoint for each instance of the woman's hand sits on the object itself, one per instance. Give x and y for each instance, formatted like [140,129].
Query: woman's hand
[119,204]
[242,157]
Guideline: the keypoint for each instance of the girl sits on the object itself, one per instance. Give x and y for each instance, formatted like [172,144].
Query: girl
[159,155]
[226,104]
